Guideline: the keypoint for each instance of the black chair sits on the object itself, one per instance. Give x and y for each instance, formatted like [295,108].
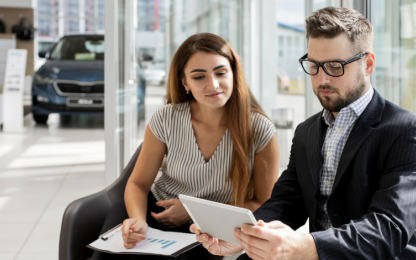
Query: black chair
[84,218]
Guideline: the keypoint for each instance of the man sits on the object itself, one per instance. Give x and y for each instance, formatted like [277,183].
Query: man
[352,168]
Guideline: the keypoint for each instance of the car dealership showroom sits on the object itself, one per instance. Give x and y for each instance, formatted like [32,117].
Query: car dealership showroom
[81,79]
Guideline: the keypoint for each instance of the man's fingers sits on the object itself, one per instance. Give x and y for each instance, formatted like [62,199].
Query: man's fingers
[198,238]
[203,238]
[207,243]
[256,231]
[274,224]
[254,249]
[261,223]
[213,247]
[254,256]
[194,229]
[253,241]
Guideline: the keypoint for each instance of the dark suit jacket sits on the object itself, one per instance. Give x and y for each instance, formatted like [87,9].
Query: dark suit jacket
[373,202]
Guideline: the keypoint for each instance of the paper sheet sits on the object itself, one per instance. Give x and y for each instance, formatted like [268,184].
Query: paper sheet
[157,242]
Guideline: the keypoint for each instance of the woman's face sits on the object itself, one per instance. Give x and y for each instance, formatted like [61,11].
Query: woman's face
[210,79]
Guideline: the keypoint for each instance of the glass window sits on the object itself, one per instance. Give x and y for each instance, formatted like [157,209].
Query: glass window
[89,10]
[160,26]
[395,49]
[58,18]
[71,26]
[291,80]
[144,62]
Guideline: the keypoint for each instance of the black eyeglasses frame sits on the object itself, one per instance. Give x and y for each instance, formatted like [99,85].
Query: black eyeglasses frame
[321,64]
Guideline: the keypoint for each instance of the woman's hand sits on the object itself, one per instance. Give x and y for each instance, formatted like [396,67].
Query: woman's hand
[175,216]
[133,231]
[214,245]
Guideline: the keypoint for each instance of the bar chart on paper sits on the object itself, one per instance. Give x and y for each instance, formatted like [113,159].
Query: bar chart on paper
[162,242]
[156,242]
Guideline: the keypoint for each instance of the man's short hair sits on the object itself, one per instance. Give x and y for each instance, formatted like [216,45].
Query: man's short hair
[330,22]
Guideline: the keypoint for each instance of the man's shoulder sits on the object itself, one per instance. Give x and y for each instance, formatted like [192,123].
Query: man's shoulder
[394,115]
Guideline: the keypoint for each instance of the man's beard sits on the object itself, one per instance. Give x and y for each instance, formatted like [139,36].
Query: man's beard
[335,104]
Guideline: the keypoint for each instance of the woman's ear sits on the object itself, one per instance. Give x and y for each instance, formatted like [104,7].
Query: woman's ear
[185,85]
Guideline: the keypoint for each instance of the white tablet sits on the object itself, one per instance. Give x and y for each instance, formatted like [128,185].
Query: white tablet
[217,219]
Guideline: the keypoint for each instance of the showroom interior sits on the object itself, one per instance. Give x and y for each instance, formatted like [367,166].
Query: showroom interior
[62,138]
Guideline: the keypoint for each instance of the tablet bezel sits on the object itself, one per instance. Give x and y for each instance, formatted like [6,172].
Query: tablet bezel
[215,228]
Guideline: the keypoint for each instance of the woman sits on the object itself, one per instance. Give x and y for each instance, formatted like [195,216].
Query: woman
[212,140]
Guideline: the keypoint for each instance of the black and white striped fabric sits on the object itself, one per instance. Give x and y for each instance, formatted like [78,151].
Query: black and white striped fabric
[184,170]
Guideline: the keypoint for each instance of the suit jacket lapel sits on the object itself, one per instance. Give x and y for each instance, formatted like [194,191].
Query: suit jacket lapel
[361,130]
[316,135]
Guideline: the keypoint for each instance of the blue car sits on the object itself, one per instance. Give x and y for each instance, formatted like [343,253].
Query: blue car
[72,79]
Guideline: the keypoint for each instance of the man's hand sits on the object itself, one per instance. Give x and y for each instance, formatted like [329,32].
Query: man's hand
[275,240]
[175,216]
[214,245]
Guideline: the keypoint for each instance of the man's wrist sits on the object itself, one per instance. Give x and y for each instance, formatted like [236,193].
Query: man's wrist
[308,248]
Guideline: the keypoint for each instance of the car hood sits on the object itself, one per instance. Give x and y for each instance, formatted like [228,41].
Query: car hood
[83,71]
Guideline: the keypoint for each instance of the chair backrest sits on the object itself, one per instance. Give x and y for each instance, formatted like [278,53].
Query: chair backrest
[83,218]
[116,189]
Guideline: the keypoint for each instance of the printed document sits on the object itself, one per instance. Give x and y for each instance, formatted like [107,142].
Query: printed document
[157,242]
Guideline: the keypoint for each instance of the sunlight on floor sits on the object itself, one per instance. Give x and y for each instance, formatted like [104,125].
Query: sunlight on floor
[60,154]
[3,201]
[4,149]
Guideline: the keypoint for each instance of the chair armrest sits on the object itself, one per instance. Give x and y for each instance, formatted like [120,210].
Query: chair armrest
[81,225]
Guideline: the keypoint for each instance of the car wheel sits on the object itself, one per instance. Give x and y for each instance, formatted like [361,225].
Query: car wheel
[40,119]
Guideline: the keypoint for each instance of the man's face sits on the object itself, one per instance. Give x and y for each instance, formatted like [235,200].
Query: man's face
[335,93]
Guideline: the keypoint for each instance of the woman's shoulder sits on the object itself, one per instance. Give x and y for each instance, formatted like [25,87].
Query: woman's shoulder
[263,131]
[170,109]
[259,121]
[166,118]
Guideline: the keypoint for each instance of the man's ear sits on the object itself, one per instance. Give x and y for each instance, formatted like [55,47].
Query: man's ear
[370,63]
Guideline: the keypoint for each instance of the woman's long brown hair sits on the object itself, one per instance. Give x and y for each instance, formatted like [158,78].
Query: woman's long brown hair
[239,107]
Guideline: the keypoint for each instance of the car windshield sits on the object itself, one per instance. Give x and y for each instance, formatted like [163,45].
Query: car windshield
[79,48]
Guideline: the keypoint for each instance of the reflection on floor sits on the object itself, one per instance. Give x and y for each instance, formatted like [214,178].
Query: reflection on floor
[41,172]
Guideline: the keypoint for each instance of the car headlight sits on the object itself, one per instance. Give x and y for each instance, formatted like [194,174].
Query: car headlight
[42,99]
[42,80]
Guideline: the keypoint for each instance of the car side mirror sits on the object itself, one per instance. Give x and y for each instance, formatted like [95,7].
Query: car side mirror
[43,54]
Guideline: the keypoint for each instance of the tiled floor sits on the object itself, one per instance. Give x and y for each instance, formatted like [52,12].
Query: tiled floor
[41,172]
[45,169]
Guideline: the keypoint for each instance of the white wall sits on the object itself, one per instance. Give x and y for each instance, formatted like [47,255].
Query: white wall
[18,3]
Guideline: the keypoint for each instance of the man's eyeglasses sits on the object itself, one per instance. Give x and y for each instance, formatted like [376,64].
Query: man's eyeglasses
[332,68]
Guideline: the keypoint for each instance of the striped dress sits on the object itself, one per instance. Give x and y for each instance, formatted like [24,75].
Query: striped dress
[184,169]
